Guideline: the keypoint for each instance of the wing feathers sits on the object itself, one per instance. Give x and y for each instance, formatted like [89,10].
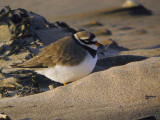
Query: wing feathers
[63,51]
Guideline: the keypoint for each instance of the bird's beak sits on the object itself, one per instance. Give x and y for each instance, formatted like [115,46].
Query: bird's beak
[98,44]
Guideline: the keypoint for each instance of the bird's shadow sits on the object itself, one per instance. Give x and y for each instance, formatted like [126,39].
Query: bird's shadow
[106,63]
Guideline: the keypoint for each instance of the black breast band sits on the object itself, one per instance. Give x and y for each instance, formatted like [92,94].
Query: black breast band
[91,51]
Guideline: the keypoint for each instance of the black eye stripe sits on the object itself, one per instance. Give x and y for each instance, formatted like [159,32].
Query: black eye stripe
[88,42]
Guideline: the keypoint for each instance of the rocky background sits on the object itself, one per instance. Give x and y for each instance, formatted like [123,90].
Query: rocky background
[124,84]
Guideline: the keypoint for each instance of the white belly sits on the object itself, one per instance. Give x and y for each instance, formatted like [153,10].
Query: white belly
[65,74]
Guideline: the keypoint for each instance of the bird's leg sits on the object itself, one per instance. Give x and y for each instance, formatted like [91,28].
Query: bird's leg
[65,84]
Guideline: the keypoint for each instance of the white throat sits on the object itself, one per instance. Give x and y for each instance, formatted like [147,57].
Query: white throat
[94,47]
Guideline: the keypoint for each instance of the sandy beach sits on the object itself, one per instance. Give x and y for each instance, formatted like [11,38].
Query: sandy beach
[125,84]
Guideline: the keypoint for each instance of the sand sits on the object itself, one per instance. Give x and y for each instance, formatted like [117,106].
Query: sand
[117,93]
[125,82]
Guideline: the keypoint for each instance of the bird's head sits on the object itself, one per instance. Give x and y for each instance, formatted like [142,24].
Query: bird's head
[87,39]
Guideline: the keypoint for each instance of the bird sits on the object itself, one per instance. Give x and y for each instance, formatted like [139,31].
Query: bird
[66,60]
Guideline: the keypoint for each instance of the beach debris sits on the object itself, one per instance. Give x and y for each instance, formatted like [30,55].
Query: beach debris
[149,96]
[4,117]
[110,48]
[20,82]
[113,44]
[28,91]
[10,83]
[109,43]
